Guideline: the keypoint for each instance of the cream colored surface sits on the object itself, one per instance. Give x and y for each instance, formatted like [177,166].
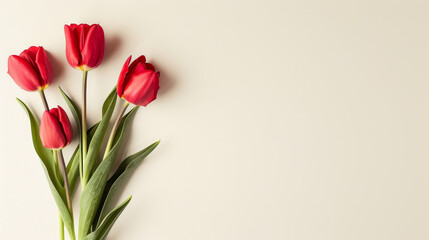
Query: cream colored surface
[301,120]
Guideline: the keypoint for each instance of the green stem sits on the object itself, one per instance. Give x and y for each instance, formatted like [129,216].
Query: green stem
[84,146]
[61,228]
[66,180]
[115,127]
[60,220]
[60,166]
[57,171]
[43,97]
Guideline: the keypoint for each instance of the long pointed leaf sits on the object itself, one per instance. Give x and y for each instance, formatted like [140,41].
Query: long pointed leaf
[117,136]
[73,108]
[44,153]
[78,120]
[92,193]
[97,139]
[73,165]
[47,164]
[73,170]
[116,182]
[107,224]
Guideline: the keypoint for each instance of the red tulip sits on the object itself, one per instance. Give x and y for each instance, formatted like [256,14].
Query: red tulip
[55,129]
[84,45]
[31,70]
[139,82]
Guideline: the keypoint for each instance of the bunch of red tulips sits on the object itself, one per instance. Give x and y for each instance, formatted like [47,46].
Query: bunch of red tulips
[138,85]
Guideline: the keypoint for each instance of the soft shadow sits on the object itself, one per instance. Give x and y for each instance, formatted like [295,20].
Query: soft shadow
[166,82]
[56,64]
[112,45]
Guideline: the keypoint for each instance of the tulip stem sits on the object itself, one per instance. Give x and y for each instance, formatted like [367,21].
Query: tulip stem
[60,220]
[57,175]
[84,128]
[45,103]
[65,178]
[61,228]
[57,171]
[115,127]
[58,154]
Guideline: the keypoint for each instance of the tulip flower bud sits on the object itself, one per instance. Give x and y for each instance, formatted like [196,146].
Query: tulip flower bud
[55,129]
[31,70]
[84,45]
[138,82]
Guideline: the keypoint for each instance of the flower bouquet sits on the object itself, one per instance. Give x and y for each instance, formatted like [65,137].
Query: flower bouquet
[138,85]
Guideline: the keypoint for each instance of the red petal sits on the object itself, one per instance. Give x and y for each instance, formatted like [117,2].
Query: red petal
[140,59]
[44,67]
[30,53]
[93,48]
[150,96]
[149,66]
[72,46]
[81,31]
[65,124]
[140,67]
[122,75]
[51,134]
[142,88]
[54,112]
[23,73]
[73,26]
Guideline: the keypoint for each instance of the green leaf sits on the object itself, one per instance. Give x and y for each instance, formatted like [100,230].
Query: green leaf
[97,139]
[121,125]
[73,170]
[74,109]
[116,182]
[107,224]
[61,204]
[73,165]
[48,166]
[44,153]
[93,191]
[106,104]
[78,119]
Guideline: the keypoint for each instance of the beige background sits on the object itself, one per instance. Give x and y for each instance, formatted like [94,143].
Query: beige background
[296,120]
